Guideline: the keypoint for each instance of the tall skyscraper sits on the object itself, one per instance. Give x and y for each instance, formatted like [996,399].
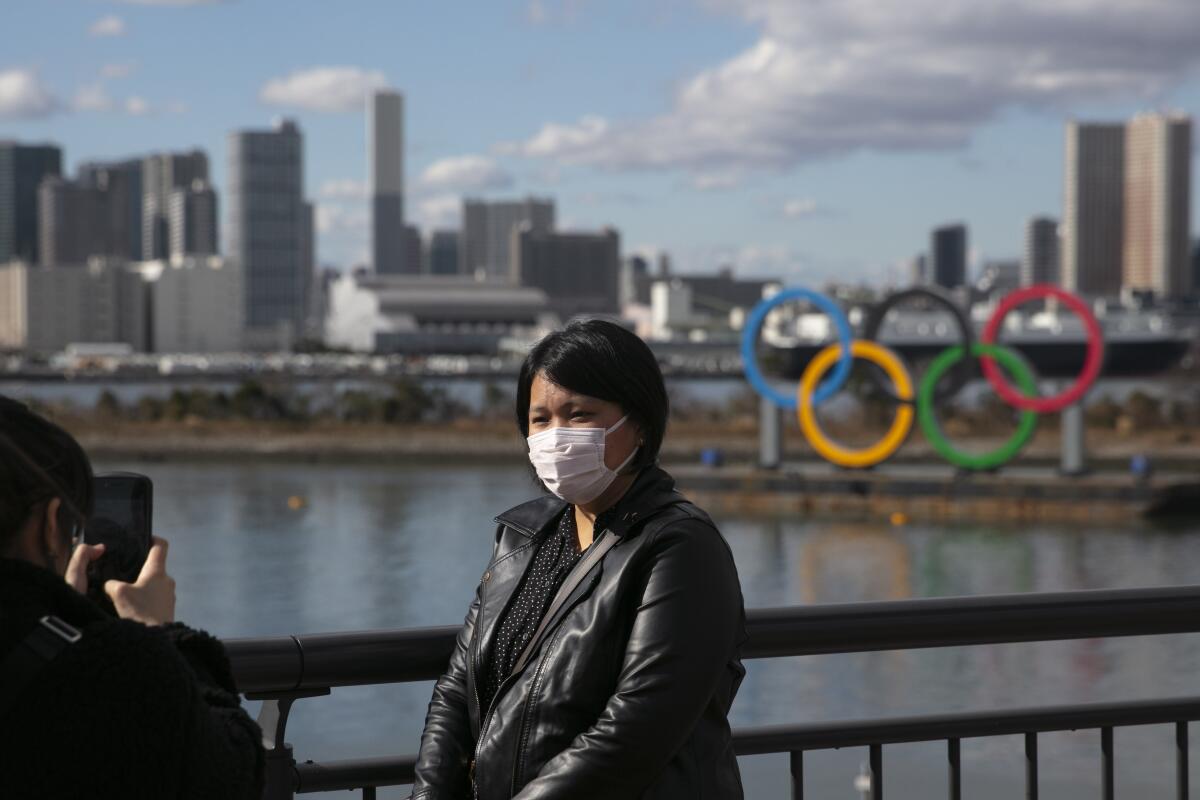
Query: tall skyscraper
[162,173]
[192,220]
[385,134]
[266,230]
[443,253]
[579,272]
[948,252]
[1158,173]
[487,229]
[1039,262]
[22,168]
[121,184]
[1094,208]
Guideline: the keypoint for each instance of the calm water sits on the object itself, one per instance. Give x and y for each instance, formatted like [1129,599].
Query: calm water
[403,545]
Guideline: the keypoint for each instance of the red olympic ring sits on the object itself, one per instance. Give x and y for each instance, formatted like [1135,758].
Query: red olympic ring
[1093,361]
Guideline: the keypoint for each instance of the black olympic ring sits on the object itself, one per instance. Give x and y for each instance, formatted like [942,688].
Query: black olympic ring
[959,376]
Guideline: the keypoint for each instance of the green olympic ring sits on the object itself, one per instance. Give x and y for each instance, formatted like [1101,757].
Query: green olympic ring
[933,433]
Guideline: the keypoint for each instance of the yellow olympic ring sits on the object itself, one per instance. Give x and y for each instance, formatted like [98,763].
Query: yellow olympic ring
[901,425]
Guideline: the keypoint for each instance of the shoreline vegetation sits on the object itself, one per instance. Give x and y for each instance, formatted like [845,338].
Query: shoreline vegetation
[412,420]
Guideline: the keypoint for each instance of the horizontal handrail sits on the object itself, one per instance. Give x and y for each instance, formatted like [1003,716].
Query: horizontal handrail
[398,771]
[305,661]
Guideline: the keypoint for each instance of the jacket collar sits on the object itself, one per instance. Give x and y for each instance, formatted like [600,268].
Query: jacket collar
[652,489]
[29,591]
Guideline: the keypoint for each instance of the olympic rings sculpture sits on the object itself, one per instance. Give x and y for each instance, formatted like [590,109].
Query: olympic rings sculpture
[919,401]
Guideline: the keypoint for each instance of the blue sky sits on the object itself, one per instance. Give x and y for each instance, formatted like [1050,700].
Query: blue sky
[809,139]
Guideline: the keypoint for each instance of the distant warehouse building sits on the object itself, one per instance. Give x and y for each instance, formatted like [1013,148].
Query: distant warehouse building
[188,305]
[195,305]
[433,314]
[43,309]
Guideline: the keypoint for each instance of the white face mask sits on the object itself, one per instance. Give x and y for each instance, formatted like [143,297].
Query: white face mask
[570,461]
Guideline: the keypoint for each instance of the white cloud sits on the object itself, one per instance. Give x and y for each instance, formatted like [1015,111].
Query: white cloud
[24,96]
[469,173]
[570,142]
[325,89]
[343,189]
[333,220]
[92,97]
[828,78]
[137,106]
[439,211]
[799,208]
[110,25]
[710,181]
[117,70]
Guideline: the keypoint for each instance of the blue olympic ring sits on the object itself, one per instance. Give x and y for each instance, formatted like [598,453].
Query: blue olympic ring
[841,371]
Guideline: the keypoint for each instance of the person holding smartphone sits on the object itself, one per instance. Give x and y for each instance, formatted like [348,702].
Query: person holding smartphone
[92,705]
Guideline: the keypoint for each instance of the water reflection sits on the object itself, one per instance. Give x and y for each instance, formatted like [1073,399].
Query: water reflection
[404,545]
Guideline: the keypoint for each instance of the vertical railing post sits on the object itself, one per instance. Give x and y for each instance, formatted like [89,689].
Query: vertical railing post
[1031,766]
[1106,770]
[876,772]
[797,762]
[1181,759]
[279,771]
[954,757]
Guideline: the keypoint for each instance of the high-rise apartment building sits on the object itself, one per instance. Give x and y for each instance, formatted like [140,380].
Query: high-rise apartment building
[1093,216]
[1158,172]
[22,168]
[72,222]
[385,146]
[266,231]
[1040,261]
[192,220]
[948,254]
[120,183]
[579,272]
[487,229]
[162,173]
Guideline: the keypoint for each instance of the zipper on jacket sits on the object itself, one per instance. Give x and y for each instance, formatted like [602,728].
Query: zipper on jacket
[484,720]
[525,712]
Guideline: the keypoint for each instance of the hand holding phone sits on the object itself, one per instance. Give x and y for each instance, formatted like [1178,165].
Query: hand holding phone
[151,598]
[120,522]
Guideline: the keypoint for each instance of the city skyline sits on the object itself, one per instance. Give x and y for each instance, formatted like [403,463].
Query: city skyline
[534,99]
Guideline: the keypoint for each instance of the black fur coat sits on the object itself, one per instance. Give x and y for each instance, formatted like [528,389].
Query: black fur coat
[128,711]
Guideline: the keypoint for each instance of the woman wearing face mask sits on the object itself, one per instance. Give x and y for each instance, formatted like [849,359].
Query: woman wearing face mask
[600,656]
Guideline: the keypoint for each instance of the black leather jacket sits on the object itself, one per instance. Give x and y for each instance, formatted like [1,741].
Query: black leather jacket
[627,692]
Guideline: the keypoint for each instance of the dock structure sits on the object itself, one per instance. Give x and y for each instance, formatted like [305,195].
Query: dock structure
[939,493]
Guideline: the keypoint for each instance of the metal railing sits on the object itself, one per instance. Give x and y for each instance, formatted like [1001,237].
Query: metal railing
[281,670]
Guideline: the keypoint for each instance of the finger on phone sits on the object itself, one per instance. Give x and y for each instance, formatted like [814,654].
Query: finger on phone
[156,560]
[84,555]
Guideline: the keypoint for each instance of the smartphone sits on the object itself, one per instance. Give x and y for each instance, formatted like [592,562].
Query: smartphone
[121,522]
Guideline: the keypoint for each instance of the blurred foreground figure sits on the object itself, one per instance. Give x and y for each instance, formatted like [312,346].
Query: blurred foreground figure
[94,705]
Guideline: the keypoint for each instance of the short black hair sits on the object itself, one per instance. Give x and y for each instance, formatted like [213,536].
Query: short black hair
[601,359]
[38,462]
